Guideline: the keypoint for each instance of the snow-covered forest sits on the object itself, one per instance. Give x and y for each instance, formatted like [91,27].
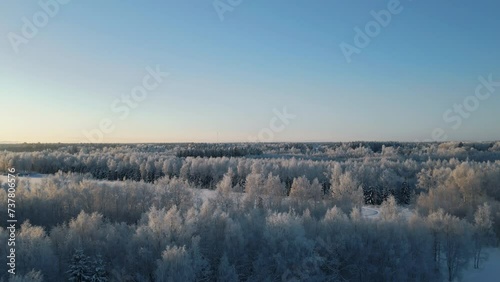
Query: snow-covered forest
[363,211]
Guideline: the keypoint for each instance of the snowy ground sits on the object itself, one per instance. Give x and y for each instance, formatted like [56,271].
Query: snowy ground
[489,271]
[370,212]
[373,212]
[34,178]
[206,194]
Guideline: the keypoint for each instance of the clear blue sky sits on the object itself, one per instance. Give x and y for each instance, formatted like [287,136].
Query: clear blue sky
[226,77]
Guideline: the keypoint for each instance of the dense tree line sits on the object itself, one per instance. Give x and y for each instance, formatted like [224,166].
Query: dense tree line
[393,171]
[273,218]
[218,151]
[129,231]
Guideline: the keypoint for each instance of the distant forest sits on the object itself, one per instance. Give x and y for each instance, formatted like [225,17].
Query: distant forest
[252,212]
